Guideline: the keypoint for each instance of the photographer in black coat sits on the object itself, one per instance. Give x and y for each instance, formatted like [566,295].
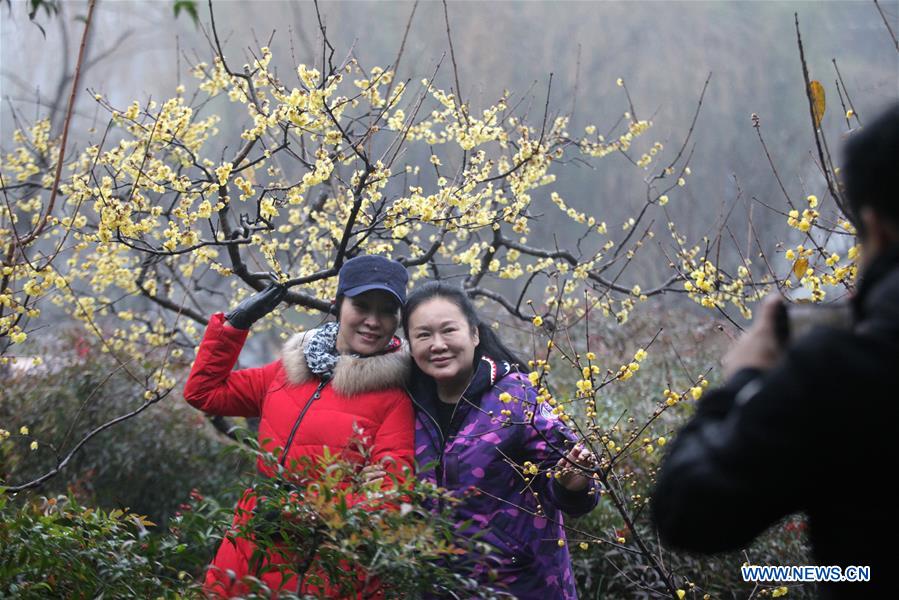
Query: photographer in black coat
[807,425]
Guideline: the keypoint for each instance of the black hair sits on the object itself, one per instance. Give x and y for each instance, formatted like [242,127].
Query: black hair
[489,345]
[871,162]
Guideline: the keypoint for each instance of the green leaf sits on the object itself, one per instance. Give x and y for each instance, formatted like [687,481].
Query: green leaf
[190,7]
[50,6]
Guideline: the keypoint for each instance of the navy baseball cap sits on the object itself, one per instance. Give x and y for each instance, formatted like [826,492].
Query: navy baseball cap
[368,272]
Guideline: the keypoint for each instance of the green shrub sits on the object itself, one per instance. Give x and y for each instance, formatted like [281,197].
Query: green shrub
[54,547]
[147,464]
[331,518]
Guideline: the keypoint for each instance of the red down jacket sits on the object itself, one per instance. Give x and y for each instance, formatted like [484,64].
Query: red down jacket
[366,392]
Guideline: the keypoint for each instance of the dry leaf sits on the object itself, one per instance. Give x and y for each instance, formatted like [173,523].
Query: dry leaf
[816,91]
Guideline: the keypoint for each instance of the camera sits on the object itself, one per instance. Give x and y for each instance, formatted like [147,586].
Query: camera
[795,320]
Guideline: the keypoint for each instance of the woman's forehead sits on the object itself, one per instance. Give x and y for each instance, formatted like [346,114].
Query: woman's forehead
[436,310]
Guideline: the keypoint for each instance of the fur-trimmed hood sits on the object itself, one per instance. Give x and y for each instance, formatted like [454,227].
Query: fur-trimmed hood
[353,374]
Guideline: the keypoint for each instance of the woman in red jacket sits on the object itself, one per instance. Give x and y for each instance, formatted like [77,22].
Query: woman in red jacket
[328,381]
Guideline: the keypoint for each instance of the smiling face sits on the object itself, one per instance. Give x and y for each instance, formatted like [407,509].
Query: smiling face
[442,342]
[367,322]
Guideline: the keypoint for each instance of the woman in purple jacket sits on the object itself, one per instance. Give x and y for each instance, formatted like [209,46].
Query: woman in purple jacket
[480,433]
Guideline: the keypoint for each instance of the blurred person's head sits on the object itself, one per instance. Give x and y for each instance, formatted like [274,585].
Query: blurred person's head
[870,172]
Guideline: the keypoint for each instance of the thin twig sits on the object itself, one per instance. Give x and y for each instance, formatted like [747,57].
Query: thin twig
[42,222]
[845,91]
[887,23]
[837,198]
[64,462]
[458,96]
[399,54]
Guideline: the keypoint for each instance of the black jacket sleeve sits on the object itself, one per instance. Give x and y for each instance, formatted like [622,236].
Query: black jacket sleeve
[746,458]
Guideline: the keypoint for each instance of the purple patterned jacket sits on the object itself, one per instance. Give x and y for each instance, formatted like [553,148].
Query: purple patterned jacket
[475,464]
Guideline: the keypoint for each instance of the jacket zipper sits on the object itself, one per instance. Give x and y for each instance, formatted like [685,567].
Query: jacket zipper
[315,396]
[452,431]
[439,468]
[421,409]
[441,475]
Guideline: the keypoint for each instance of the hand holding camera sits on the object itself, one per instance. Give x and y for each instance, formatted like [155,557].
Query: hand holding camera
[777,324]
[792,321]
[758,347]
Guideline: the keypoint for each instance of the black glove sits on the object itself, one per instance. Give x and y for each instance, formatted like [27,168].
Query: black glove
[256,306]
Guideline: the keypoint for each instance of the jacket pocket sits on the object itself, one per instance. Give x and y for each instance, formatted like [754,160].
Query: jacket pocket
[515,553]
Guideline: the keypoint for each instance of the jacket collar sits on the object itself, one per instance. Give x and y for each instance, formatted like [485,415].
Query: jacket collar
[876,304]
[352,374]
[489,371]
[879,269]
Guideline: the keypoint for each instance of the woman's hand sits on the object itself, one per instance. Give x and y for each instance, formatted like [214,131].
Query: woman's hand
[373,475]
[573,478]
[256,306]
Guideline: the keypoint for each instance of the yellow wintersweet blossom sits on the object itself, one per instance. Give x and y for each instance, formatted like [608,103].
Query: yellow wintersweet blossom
[584,387]
[223,172]
[623,143]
